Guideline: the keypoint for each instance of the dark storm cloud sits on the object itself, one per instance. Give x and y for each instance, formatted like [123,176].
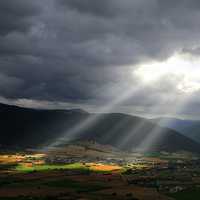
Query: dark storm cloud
[93,7]
[15,15]
[83,50]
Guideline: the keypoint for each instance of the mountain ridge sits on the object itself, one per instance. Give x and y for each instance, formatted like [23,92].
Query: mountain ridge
[189,128]
[25,127]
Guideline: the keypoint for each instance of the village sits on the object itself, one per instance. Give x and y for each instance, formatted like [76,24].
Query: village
[166,175]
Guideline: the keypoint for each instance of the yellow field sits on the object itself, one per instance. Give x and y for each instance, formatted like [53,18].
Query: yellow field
[17,158]
[103,167]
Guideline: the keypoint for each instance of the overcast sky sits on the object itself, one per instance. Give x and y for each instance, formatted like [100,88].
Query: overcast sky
[88,53]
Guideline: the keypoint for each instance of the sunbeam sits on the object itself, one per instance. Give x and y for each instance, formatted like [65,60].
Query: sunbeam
[84,87]
[156,133]
[74,132]
[131,133]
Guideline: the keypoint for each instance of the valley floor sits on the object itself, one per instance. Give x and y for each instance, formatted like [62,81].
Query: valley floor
[148,177]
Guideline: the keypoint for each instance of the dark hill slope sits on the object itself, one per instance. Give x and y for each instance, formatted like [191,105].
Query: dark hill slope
[23,127]
[129,132]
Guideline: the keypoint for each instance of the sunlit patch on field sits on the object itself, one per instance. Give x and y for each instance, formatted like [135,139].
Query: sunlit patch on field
[103,167]
[6,159]
[137,166]
[92,167]
[17,158]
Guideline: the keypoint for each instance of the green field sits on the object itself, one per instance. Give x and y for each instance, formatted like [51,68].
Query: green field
[47,167]
[75,166]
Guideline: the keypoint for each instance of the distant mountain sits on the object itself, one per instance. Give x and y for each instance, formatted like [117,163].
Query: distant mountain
[23,127]
[189,128]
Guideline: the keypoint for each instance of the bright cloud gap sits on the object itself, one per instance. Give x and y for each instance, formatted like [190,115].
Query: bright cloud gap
[182,68]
